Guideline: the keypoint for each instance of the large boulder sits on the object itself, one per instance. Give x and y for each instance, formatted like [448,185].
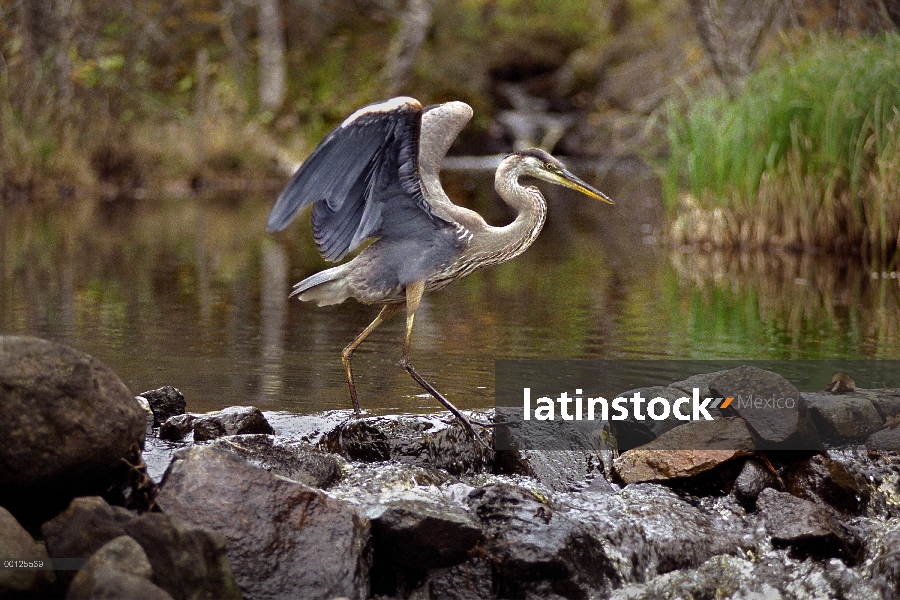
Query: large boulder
[285,539]
[68,421]
[16,543]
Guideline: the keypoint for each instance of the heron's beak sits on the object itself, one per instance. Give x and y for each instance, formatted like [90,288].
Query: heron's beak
[570,180]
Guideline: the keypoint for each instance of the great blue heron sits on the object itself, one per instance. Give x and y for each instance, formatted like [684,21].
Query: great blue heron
[376,176]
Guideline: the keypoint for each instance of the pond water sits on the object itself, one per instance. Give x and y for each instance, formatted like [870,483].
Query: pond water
[189,290]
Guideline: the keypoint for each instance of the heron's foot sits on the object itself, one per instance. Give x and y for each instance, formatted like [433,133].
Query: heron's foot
[404,362]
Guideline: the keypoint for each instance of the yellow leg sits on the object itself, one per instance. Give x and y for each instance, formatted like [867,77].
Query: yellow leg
[414,293]
[387,312]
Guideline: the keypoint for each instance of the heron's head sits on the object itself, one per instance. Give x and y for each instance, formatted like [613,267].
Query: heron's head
[539,164]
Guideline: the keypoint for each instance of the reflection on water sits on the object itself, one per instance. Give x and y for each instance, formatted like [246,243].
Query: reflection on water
[193,293]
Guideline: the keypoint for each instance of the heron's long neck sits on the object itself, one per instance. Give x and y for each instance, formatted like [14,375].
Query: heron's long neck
[531,213]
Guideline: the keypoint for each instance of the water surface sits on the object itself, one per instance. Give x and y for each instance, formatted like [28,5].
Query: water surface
[190,291]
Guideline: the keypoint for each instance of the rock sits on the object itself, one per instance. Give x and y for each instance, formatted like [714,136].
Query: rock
[885,567]
[773,408]
[700,381]
[843,416]
[294,460]
[80,530]
[885,440]
[805,528]
[415,534]
[886,402]
[558,454]
[188,562]
[68,421]
[753,479]
[823,480]
[726,576]
[148,414]
[106,583]
[285,539]
[655,428]
[165,402]
[15,542]
[535,548]
[175,428]
[234,420]
[471,580]
[121,554]
[686,451]
[420,440]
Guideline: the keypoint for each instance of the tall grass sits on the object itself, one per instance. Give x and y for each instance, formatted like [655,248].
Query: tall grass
[807,156]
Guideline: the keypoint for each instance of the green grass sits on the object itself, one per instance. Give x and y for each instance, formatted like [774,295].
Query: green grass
[808,155]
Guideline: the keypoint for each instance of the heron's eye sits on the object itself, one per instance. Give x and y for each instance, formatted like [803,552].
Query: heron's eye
[550,167]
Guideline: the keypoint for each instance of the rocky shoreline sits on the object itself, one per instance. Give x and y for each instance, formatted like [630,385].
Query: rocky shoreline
[241,503]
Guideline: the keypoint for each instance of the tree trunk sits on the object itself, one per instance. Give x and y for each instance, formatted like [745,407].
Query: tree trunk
[404,49]
[272,65]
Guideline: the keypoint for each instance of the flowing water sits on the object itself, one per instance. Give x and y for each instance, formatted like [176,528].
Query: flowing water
[187,290]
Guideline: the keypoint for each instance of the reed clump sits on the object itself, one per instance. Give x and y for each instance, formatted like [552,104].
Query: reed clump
[807,157]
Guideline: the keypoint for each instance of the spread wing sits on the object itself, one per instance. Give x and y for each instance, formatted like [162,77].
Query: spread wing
[363,181]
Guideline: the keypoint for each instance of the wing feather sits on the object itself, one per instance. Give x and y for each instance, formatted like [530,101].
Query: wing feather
[363,181]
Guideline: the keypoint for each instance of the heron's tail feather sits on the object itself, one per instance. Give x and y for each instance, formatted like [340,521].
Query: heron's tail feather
[325,287]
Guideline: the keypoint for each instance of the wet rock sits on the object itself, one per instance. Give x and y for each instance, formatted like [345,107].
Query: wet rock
[177,427]
[415,534]
[119,569]
[559,455]
[150,420]
[15,542]
[700,381]
[294,460]
[285,539]
[823,480]
[885,440]
[80,530]
[842,416]
[805,528]
[885,567]
[773,408]
[654,427]
[537,549]
[187,562]
[165,402]
[886,402]
[753,479]
[772,576]
[420,440]
[235,420]
[686,451]
[67,422]
[471,580]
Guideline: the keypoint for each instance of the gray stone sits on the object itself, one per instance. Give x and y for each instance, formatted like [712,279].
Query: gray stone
[294,460]
[165,402]
[772,407]
[752,480]
[121,554]
[234,420]
[886,440]
[823,480]
[188,562]
[886,402]
[843,416]
[107,583]
[15,542]
[284,539]
[175,428]
[148,414]
[419,534]
[68,421]
[80,530]
[805,528]
[700,381]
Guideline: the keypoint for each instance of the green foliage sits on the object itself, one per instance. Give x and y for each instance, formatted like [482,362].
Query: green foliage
[814,137]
